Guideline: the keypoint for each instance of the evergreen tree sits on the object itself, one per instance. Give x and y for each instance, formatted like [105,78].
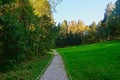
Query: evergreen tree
[113,22]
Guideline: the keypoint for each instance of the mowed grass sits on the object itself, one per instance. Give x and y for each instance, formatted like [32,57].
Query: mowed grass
[29,70]
[99,61]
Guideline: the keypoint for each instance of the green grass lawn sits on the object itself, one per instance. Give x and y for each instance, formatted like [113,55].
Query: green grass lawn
[99,61]
[28,70]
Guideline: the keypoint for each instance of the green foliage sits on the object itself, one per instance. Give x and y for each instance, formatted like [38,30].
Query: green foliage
[113,22]
[46,36]
[99,61]
[92,34]
[23,33]
[70,34]
[6,1]
[110,27]
[15,31]
[28,70]
[76,33]
[41,7]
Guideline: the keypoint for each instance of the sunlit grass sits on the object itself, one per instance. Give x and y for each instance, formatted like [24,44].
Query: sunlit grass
[99,61]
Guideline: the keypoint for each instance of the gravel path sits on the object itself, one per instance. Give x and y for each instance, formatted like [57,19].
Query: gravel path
[55,70]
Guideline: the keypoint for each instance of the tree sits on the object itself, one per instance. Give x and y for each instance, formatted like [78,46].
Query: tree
[113,22]
[103,30]
[92,33]
[16,17]
[26,29]
[70,33]
[109,7]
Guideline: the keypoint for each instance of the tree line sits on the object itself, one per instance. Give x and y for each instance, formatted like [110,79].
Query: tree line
[26,28]
[77,33]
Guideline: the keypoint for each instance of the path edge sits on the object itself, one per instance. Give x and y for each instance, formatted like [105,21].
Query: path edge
[42,72]
[66,70]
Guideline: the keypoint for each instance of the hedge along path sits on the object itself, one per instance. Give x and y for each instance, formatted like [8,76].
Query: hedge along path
[55,70]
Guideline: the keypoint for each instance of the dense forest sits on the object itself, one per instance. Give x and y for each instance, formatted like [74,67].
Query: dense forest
[27,28]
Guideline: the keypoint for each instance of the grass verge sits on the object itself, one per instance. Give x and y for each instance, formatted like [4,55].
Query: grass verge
[29,70]
[99,61]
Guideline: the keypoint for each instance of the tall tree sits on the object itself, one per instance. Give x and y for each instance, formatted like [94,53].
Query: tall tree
[103,30]
[109,7]
[92,33]
[113,22]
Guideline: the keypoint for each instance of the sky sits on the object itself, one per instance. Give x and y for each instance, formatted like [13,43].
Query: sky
[85,10]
